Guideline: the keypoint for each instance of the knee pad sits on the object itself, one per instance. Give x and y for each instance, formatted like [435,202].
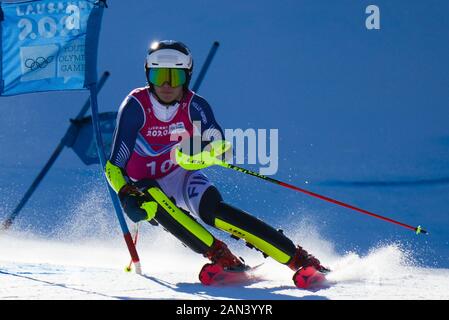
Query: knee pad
[136,208]
[133,209]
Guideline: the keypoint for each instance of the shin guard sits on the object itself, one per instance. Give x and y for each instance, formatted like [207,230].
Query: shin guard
[242,225]
[181,224]
[255,232]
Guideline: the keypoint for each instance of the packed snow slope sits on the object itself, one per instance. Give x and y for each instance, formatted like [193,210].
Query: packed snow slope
[32,268]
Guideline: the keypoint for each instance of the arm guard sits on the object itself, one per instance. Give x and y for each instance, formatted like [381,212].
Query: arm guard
[115,176]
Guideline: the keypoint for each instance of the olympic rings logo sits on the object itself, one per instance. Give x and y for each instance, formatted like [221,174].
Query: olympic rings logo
[38,63]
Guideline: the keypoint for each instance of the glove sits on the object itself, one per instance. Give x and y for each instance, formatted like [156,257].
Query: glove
[205,158]
[137,205]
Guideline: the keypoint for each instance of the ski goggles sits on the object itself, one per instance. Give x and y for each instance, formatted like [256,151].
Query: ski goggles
[174,77]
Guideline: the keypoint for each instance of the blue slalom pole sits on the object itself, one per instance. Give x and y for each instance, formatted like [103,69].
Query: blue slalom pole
[101,154]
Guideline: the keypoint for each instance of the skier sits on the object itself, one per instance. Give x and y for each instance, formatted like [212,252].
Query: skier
[153,187]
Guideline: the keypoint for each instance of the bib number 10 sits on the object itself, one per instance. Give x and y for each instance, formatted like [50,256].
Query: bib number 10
[164,168]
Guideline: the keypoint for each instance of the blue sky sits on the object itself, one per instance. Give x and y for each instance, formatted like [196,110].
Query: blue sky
[350,104]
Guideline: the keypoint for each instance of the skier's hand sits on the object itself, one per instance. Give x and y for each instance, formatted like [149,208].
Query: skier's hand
[129,190]
[137,205]
[210,155]
[220,149]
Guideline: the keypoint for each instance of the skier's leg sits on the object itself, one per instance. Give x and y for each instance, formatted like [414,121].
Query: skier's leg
[271,242]
[186,229]
[180,224]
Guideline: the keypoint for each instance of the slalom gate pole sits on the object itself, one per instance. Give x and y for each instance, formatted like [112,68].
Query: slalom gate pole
[70,135]
[417,229]
[136,236]
[100,149]
[205,66]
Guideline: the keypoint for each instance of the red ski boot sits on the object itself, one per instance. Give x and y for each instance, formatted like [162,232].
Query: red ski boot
[309,271]
[225,267]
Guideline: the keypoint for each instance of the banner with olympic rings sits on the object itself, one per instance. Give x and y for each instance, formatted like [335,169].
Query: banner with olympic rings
[49,45]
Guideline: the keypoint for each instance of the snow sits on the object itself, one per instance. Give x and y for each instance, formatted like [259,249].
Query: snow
[32,267]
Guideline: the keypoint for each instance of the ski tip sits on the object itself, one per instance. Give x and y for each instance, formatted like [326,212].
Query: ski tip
[308,277]
[216,275]
[208,273]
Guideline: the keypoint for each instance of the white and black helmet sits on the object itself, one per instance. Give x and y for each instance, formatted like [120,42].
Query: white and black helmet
[169,54]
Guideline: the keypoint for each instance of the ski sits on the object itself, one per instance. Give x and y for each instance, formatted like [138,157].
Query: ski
[214,275]
[309,278]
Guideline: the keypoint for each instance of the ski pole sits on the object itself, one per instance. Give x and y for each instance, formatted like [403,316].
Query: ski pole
[417,229]
[218,148]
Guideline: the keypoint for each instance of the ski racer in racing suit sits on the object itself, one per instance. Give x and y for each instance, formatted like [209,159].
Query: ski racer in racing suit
[152,186]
